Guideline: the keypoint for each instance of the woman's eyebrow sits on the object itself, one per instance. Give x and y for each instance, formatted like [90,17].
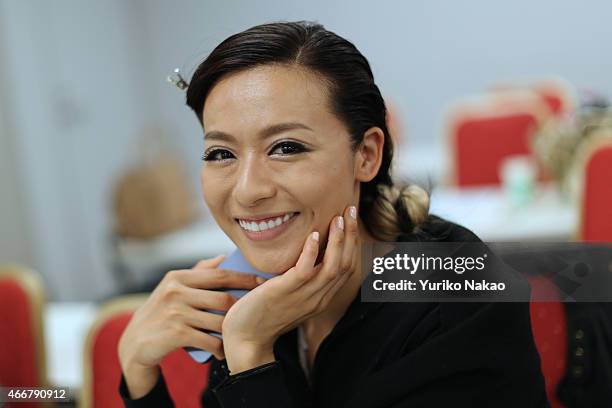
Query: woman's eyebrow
[263,134]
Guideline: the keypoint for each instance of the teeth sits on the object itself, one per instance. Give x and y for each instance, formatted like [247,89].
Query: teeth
[263,225]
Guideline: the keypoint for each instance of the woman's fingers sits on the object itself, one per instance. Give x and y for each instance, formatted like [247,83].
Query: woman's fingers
[339,253]
[209,263]
[214,278]
[349,254]
[333,252]
[308,257]
[205,299]
[305,268]
[196,338]
[350,239]
[203,320]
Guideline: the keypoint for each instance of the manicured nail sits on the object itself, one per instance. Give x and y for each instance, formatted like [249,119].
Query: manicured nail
[353,212]
[315,236]
[340,223]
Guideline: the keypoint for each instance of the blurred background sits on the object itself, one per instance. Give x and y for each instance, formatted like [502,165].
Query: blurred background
[99,155]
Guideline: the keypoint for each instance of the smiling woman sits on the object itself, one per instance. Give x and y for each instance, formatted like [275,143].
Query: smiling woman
[296,171]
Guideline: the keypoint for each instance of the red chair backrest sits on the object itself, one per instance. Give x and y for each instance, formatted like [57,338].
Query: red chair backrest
[596,211]
[481,143]
[484,130]
[21,344]
[549,329]
[22,357]
[186,379]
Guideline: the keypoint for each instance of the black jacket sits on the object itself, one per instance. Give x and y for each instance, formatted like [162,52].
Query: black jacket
[393,355]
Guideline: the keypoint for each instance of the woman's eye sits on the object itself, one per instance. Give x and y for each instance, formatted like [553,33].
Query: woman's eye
[217,155]
[288,148]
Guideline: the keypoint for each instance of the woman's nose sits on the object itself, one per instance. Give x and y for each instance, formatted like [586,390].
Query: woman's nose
[254,182]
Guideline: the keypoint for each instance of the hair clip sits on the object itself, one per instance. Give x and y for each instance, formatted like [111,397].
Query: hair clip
[177,80]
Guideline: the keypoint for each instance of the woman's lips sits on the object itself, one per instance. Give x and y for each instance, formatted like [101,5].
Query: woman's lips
[269,233]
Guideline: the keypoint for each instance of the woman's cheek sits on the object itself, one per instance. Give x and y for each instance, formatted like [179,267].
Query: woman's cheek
[212,191]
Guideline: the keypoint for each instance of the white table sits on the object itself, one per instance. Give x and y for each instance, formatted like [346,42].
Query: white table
[65,326]
[487,212]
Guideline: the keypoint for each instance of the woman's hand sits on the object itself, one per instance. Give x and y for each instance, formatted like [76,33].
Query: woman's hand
[255,321]
[172,318]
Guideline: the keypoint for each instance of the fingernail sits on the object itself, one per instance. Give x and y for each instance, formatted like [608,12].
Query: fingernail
[340,223]
[353,212]
[315,236]
[259,280]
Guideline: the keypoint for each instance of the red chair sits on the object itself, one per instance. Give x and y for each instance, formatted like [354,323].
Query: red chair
[484,132]
[596,198]
[22,353]
[186,379]
[22,347]
[549,327]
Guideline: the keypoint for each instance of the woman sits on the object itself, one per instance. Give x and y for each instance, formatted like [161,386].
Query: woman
[295,133]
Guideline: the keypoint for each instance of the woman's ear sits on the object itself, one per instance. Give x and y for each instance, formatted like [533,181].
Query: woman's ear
[368,156]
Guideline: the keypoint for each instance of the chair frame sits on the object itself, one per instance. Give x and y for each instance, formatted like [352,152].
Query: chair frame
[121,304]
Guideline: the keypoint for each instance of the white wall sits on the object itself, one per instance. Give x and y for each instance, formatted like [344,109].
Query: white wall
[76,103]
[14,232]
[81,79]
[424,53]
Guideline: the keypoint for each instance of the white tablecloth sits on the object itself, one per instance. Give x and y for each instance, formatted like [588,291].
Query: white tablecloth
[65,326]
[487,212]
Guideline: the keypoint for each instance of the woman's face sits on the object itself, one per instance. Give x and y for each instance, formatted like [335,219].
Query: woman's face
[275,154]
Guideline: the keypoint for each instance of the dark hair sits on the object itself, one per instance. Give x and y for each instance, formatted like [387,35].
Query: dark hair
[386,210]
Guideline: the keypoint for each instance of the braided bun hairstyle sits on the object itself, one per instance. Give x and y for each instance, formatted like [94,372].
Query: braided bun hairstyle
[386,210]
[396,211]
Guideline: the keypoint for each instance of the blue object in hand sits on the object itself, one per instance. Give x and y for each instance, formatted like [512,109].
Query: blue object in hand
[235,262]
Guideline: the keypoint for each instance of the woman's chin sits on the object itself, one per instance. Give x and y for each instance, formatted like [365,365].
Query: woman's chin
[274,263]
[274,267]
